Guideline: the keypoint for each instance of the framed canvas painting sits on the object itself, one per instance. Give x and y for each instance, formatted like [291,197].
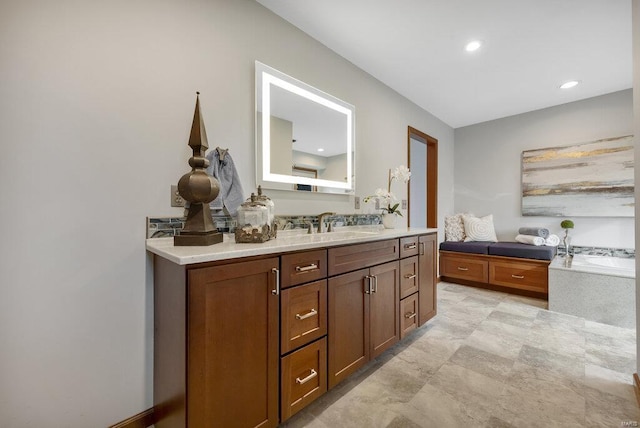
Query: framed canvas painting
[591,179]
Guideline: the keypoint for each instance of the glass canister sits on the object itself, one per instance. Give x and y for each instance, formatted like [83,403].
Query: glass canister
[252,221]
[273,226]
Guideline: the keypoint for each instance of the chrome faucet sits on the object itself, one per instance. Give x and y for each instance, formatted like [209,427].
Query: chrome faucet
[321,220]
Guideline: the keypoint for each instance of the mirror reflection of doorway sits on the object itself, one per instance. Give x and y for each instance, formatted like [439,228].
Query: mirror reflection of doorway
[423,186]
[299,171]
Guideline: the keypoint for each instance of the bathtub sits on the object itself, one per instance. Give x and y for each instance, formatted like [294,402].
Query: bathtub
[597,288]
[603,265]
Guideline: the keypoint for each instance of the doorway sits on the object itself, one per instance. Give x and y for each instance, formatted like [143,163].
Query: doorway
[423,186]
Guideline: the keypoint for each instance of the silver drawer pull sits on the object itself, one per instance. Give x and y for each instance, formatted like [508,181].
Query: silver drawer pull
[308,378]
[309,314]
[410,315]
[410,246]
[312,266]
[410,276]
[517,276]
[463,268]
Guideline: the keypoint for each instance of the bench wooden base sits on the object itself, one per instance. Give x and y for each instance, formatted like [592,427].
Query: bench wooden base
[526,277]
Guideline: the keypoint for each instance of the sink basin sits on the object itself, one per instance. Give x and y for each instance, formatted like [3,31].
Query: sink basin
[327,236]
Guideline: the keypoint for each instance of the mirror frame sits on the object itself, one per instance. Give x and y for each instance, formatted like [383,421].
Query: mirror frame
[266,77]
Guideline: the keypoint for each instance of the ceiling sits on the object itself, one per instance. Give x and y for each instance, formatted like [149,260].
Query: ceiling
[529,48]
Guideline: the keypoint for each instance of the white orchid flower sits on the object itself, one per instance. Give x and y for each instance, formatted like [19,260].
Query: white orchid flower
[401,173]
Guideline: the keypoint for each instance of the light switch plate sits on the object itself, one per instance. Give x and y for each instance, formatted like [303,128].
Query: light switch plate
[357,202]
[176,199]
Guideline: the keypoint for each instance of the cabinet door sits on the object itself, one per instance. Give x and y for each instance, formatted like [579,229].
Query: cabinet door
[348,324]
[232,364]
[427,273]
[384,306]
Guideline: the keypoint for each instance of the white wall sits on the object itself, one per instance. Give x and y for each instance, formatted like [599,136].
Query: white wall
[96,102]
[487,165]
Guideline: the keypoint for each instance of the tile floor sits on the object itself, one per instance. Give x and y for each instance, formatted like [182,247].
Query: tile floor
[490,359]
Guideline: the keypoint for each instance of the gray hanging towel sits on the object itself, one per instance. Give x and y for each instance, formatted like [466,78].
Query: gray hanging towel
[221,167]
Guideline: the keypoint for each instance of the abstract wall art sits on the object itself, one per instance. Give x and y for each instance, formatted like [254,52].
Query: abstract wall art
[592,179]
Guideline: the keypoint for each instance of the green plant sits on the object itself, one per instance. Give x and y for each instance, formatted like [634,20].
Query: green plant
[566,224]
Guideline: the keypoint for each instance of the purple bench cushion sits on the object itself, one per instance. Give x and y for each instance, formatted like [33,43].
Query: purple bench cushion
[524,251]
[473,247]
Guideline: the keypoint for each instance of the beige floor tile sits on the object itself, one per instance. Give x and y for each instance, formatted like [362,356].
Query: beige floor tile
[494,360]
[608,410]
[496,342]
[432,407]
[483,362]
[609,381]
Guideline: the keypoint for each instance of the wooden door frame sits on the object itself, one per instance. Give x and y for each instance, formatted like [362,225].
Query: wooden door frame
[432,175]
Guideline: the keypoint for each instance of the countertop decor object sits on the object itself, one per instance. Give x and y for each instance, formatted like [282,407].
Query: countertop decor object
[389,220]
[566,225]
[199,188]
[253,221]
[384,197]
[271,207]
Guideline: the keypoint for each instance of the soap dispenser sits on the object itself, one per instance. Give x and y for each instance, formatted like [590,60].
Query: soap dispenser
[253,221]
[273,226]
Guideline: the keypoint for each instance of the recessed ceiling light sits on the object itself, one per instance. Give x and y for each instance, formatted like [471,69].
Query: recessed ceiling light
[473,46]
[569,84]
[321,150]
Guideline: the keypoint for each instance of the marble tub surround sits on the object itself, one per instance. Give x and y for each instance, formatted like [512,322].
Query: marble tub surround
[490,359]
[598,294]
[625,253]
[161,227]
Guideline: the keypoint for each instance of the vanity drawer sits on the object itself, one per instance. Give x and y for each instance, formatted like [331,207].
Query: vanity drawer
[306,266]
[467,267]
[303,315]
[303,377]
[358,256]
[522,275]
[408,246]
[408,276]
[408,315]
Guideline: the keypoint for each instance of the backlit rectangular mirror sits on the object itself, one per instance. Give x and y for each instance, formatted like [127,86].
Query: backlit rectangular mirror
[304,137]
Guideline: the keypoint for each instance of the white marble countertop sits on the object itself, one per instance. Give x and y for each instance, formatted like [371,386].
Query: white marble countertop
[293,240]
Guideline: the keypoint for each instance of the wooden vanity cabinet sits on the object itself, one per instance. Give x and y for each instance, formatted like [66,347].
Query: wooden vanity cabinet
[363,306]
[235,348]
[427,273]
[216,344]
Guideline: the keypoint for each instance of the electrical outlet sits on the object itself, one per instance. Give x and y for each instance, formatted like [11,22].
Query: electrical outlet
[377,204]
[176,199]
[404,204]
[357,202]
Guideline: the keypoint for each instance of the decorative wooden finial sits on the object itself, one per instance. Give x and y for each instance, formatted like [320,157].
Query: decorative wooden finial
[199,188]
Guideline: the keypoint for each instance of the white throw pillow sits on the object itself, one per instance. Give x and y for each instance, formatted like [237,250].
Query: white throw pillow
[479,229]
[454,228]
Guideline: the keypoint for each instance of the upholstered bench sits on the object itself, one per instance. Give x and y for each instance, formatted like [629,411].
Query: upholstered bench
[504,266]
